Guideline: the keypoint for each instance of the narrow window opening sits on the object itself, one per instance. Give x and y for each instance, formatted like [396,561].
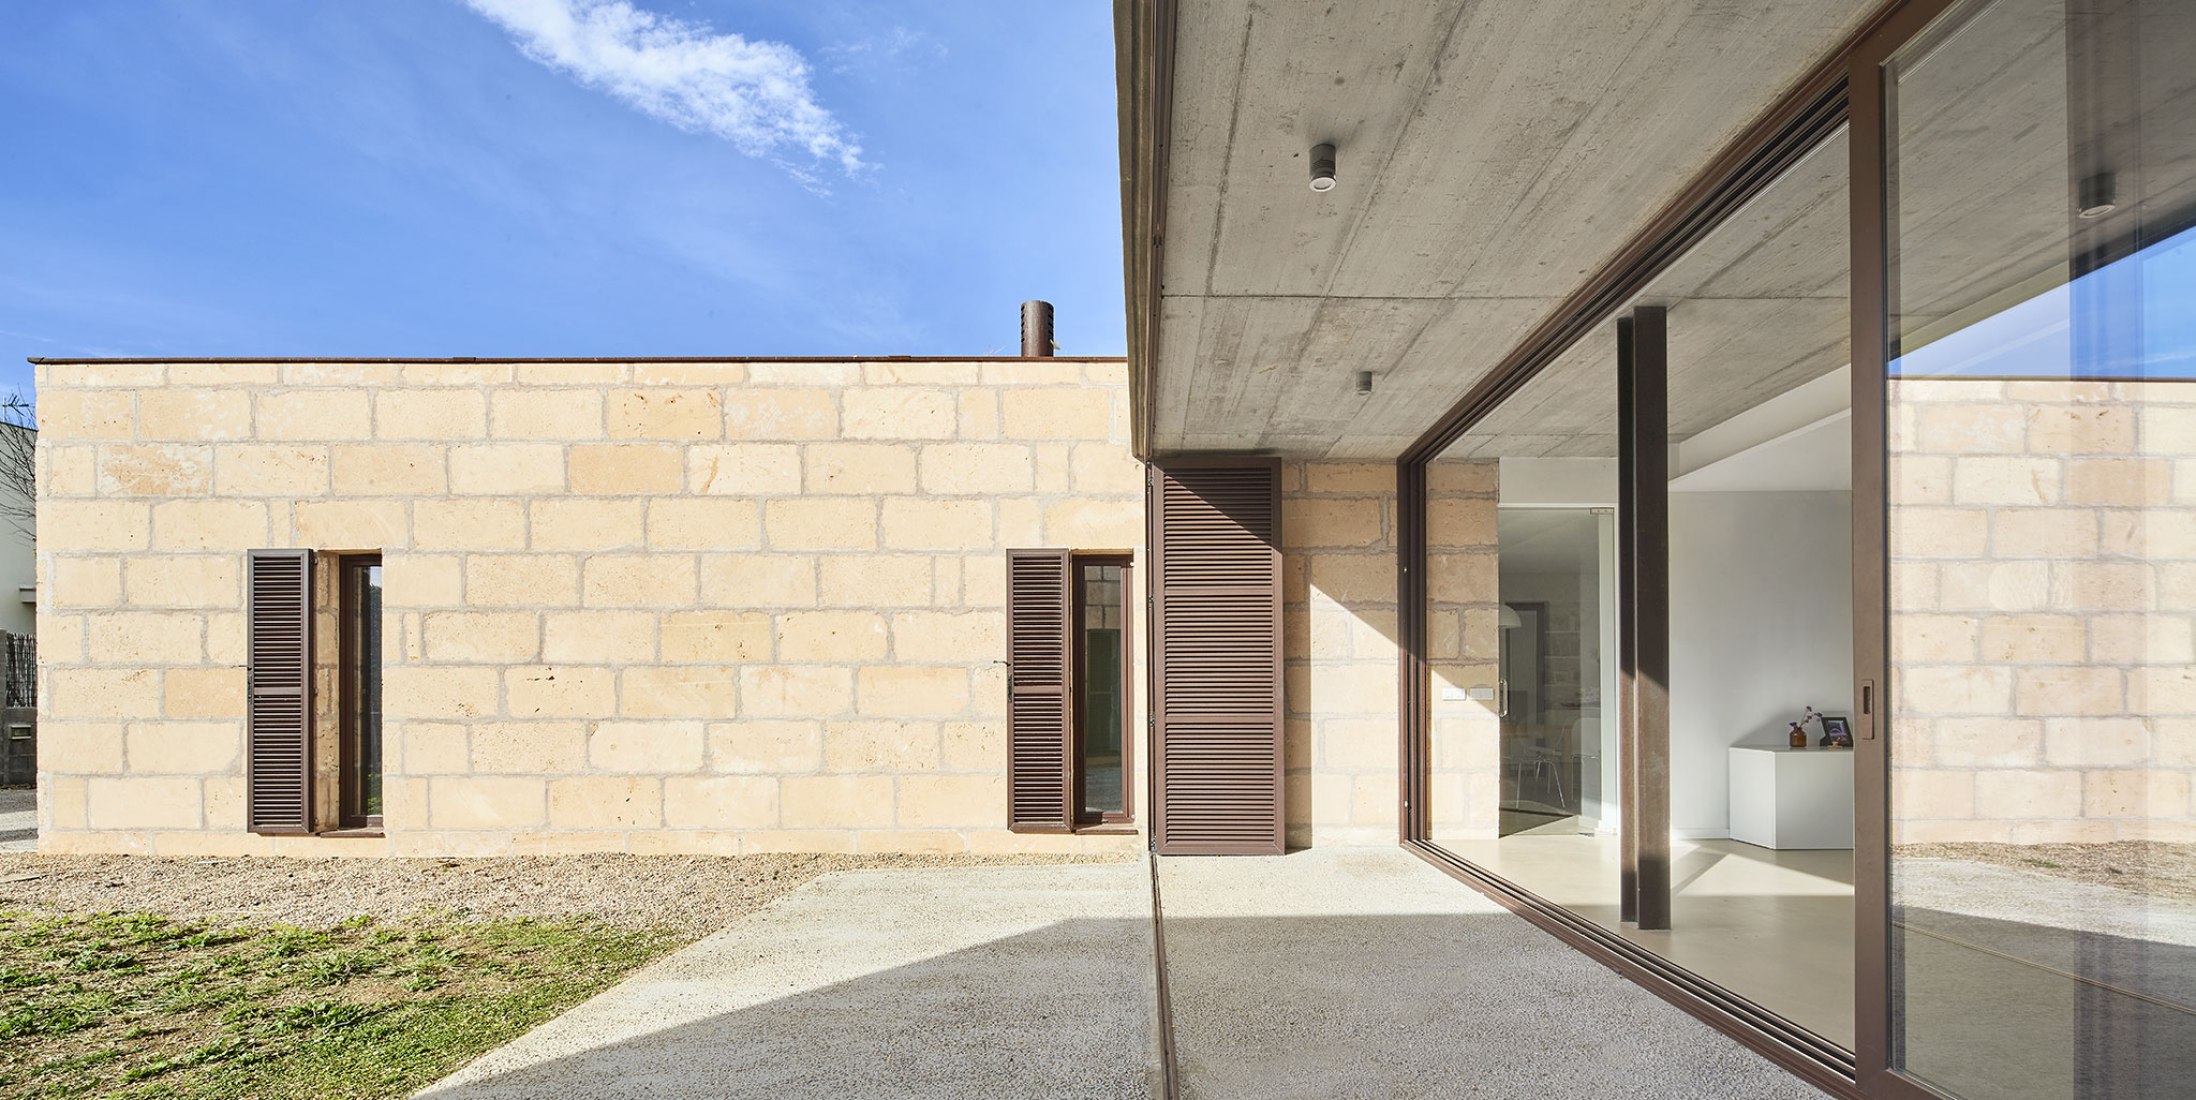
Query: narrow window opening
[1103,689]
[360,660]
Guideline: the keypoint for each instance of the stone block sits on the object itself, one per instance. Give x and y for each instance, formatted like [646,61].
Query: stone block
[84,416]
[566,523]
[744,469]
[428,414]
[147,638]
[638,580]
[781,414]
[468,525]
[1095,524]
[103,693]
[2021,793]
[155,469]
[662,413]
[410,691]
[903,691]
[482,637]
[795,691]
[809,524]
[84,582]
[978,410]
[429,748]
[482,802]
[918,523]
[758,580]
[200,693]
[351,524]
[1997,479]
[2021,639]
[506,469]
[185,415]
[528,748]
[716,637]
[144,802]
[185,748]
[898,412]
[387,469]
[686,691]
[875,580]
[610,469]
[881,746]
[756,746]
[654,748]
[720,802]
[697,524]
[1060,415]
[522,580]
[949,637]
[316,414]
[858,469]
[568,415]
[976,469]
[835,801]
[831,636]
[950,801]
[2079,690]
[87,525]
[80,748]
[559,691]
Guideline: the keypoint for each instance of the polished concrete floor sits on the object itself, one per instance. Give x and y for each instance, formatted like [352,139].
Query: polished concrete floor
[1775,927]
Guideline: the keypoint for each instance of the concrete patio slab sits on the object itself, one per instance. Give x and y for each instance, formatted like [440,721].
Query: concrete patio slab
[948,984]
[1340,973]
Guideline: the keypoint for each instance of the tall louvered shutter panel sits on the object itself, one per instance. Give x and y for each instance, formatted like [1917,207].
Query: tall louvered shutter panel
[1216,542]
[1040,692]
[279,766]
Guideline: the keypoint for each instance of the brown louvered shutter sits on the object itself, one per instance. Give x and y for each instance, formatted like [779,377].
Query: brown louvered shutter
[1216,591]
[1040,700]
[278,767]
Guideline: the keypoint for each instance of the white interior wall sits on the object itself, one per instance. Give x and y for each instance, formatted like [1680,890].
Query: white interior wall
[1760,628]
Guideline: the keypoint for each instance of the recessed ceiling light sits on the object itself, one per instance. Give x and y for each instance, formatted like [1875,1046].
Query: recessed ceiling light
[1323,167]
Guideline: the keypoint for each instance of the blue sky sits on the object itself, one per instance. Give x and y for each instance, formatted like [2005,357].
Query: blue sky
[555,177]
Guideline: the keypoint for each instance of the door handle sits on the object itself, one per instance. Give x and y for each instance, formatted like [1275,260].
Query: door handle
[1868,710]
[1502,698]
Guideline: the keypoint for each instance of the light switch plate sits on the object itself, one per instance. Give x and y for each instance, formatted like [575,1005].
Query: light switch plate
[1452,694]
[1483,693]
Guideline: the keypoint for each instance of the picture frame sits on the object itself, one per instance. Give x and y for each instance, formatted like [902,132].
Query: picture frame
[1837,731]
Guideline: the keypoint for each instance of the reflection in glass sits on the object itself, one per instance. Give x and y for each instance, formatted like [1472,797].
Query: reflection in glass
[2042,529]
[362,687]
[1102,705]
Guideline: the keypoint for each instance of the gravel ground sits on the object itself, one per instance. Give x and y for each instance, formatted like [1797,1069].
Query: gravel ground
[697,894]
[2154,868]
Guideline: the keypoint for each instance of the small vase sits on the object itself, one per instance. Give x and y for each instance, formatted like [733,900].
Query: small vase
[1799,736]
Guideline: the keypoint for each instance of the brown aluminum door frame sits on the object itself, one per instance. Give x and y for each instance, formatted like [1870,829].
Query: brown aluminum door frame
[1871,237]
[1643,613]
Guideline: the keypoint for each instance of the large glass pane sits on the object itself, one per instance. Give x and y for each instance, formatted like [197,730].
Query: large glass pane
[2042,530]
[362,686]
[1101,705]
[1521,543]
[1525,776]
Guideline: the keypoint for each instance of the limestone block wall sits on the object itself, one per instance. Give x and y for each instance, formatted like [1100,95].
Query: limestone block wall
[1463,639]
[2043,590]
[693,607]
[1339,652]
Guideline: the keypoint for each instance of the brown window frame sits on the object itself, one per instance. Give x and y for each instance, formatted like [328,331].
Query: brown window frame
[350,779]
[1077,560]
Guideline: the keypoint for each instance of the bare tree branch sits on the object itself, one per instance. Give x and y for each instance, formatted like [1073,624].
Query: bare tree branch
[19,466]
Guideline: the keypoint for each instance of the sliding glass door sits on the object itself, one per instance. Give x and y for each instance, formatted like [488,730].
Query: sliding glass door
[2039,411]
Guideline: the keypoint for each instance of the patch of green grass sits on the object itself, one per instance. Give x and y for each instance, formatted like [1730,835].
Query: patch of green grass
[141,1007]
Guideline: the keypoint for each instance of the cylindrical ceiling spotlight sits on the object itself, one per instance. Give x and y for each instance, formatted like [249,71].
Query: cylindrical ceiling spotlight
[1323,166]
[1364,383]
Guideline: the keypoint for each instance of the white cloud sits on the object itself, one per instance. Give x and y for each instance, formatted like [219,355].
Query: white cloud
[752,94]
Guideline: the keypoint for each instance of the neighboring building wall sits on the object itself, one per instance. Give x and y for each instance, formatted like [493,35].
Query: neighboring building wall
[18,564]
[724,607]
[2043,589]
[1339,652]
[1463,639]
